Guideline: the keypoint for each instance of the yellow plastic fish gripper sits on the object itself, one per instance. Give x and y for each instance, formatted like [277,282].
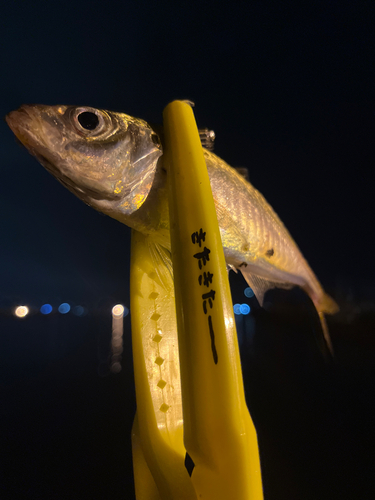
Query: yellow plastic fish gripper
[193,437]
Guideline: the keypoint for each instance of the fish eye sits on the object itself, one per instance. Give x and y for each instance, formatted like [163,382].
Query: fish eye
[88,120]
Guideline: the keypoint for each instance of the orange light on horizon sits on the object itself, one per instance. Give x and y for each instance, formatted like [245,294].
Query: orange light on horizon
[21,311]
[117,332]
[118,310]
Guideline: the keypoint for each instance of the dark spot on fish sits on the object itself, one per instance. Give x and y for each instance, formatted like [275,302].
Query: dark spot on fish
[270,252]
[243,264]
[88,120]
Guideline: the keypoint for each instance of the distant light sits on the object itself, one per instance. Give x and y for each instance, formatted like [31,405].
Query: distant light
[21,311]
[116,367]
[237,309]
[78,310]
[64,308]
[248,292]
[46,309]
[244,309]
[118,310]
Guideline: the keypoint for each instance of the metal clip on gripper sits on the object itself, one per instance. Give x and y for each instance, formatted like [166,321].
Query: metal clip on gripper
[193,437]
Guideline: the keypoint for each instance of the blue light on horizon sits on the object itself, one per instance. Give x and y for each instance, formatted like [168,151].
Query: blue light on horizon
[64,308]
[78,311]
[46,309]
[245,309]
[248,292]
[237,309]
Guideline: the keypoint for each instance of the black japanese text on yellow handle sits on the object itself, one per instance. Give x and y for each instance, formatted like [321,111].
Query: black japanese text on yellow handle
[219,435]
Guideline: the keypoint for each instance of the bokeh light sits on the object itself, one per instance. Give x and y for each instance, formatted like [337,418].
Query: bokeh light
[118,310]
[248,292]
[245,309]
[78,311]
[64,308]
[46,309]
[21,311]
[118,313]
[115,367]
[236,309]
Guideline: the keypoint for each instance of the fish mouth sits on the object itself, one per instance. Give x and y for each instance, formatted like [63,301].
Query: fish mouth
[20,122]
[23,122]
[12,118]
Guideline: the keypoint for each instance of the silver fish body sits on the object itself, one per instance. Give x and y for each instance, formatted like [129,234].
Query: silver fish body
[114,163]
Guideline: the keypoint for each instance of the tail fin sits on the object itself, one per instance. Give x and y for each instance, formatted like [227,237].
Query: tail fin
[326,334]
[326,306]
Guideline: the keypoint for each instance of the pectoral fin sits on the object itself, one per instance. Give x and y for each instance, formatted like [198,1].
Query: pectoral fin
[162,260]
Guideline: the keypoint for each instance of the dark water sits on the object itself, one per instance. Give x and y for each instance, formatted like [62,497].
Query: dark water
[66,429]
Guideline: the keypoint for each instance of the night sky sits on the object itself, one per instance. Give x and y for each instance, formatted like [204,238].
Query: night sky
[288,89]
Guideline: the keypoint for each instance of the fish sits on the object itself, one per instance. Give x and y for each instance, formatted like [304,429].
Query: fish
[114,163]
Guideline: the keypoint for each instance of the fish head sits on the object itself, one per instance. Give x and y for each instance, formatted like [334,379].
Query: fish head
[107,159]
